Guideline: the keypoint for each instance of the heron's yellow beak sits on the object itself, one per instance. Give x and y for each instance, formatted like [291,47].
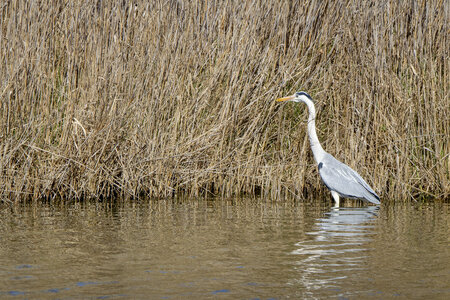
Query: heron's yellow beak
[285,98]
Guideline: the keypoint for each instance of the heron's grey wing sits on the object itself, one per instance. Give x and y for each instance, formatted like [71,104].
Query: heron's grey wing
[339,177]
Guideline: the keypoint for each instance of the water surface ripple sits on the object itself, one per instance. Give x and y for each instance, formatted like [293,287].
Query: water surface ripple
[244,249]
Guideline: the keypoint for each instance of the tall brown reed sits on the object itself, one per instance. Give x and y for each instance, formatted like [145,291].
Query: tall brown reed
[129,98]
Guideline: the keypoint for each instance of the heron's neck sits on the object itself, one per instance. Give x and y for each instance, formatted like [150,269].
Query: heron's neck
[314,141]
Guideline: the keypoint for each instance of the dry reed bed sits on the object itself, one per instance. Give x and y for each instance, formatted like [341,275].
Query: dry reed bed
[137,99]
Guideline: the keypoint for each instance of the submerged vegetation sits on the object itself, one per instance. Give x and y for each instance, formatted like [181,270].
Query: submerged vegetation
[129,98]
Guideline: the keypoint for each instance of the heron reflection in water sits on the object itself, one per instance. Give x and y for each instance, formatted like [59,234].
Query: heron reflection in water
[335,249]
[340,179]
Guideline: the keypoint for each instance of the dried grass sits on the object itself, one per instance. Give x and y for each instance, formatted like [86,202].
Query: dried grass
[108,98]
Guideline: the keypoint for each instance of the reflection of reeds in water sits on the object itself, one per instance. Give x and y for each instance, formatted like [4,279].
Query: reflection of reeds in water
[338,247]
[104,98]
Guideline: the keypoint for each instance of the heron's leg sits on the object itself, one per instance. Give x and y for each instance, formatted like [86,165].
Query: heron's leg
[336,198]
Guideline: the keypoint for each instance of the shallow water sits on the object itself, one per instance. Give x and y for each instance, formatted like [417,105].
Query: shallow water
[244,249]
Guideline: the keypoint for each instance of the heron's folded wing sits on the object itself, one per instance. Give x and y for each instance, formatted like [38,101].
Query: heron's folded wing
[339,177]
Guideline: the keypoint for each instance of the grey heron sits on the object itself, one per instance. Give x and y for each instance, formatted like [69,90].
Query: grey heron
[340,179]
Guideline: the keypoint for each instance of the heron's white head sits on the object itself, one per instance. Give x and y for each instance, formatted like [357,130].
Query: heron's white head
[297,97]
